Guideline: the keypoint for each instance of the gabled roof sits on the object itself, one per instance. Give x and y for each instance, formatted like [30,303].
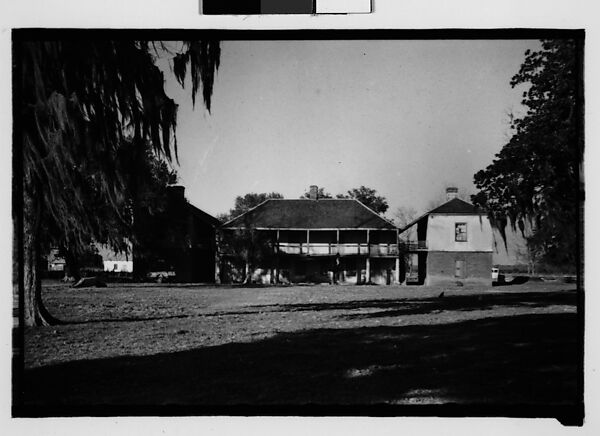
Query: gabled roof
[456,206]
[203,216]
[310,214]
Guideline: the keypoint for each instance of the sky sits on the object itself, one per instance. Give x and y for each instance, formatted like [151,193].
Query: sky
[407,118]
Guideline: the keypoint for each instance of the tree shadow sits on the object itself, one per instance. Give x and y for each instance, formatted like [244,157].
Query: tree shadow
[379,308]
[415,306]
[527,359]
[463,303]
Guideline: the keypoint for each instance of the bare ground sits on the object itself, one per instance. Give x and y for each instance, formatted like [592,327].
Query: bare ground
[203,345]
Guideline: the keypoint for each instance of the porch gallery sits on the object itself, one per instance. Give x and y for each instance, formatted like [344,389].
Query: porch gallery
[318,239]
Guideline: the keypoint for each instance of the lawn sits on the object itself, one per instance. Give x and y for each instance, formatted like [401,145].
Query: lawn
[297,345]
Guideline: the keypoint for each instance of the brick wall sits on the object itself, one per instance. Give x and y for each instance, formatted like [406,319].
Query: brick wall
[441,267]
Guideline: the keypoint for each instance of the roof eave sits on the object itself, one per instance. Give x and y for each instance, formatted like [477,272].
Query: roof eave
[226,224]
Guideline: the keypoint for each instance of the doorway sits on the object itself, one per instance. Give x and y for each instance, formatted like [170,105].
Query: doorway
[459,269]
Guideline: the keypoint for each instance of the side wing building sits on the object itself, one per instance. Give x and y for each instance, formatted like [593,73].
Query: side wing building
[452,242]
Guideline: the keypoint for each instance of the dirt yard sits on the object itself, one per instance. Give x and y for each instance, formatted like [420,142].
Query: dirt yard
[198,345]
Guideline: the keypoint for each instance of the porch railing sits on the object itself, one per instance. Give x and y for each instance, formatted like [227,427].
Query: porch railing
[326,249]
[414,245]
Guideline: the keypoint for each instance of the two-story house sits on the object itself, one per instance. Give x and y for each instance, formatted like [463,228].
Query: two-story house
[179,240]
[452,242]
[317,239]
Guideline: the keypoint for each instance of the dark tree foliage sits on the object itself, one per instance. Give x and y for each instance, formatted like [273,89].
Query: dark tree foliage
[369,198]
[154,176]
[247,247]
[246,202]
[204,58]
[84,104]
[144,192]
[533,181]
[152,221]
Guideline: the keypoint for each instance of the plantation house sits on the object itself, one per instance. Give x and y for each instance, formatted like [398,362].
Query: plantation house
[182,241]
[315,239]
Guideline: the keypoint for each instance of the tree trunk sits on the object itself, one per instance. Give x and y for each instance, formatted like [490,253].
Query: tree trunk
[35,311]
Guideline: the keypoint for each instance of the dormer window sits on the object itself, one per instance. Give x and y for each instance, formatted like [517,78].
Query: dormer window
[460,232]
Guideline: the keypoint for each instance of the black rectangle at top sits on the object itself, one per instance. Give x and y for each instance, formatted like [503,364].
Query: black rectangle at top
[230,7]
[255,7]
[287,7]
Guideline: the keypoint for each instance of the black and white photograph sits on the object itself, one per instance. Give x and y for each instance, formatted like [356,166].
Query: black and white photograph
[298,223]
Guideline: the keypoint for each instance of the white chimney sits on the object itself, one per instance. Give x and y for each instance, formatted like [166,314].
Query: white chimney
[451,193]
[314,192]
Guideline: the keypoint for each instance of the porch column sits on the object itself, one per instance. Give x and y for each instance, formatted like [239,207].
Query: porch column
[247,278]
[307,242]
[341,272]
[368,260]
[397,272]
[277,259]
[217,260]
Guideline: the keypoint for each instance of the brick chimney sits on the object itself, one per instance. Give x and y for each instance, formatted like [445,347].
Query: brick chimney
[314,192]
[451,193]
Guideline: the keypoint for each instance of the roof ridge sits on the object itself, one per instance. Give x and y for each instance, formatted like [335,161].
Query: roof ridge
[310,199]
[214,219]
[475,211]
[455,199]
[248,211]
[373,212]
[329,212]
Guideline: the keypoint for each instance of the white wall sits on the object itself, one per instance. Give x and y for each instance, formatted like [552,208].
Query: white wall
[440,233]
[118,266]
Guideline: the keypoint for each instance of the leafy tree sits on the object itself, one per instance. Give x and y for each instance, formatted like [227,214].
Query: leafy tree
[320,194]
[368,197]
[533,181]
[82,105]
[247,202]
[154,223]
[223,217]
[248,248]
[246,245]
[145,191]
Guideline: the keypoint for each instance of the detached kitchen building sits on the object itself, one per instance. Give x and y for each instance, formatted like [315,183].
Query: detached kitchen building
[314,240]
[452,242]
[180,241]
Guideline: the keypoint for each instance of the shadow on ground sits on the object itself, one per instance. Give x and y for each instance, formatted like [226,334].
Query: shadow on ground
[528,359]
[379,308]
[463,303]
[418,306]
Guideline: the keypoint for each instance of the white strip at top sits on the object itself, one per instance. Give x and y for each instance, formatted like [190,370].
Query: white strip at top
[343,6]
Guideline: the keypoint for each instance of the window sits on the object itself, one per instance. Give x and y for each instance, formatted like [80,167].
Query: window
[460,232]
